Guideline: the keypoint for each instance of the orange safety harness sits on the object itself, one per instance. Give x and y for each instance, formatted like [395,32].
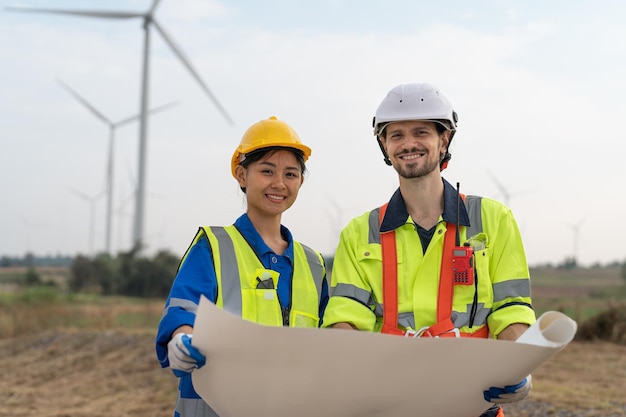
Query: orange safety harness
[444,326]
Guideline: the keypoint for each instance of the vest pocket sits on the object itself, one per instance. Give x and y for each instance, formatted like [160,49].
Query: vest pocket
[261,306]
[303,319]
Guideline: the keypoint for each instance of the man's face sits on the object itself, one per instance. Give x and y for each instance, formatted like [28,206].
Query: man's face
[414,147]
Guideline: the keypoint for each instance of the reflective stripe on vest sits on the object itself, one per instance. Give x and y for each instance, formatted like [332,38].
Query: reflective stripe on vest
[444,326]
[237,266]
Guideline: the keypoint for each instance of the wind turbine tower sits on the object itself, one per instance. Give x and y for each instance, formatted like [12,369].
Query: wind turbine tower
[91,199]
[110,161]
[148,21]
[576,230]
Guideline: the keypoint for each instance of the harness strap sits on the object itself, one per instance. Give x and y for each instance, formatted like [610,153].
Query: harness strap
[390,280]
[444,299]
[444,326]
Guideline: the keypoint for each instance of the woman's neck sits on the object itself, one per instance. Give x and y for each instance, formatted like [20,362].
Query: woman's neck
[268,227]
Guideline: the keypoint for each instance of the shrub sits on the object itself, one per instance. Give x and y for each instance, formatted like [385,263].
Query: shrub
[608,325]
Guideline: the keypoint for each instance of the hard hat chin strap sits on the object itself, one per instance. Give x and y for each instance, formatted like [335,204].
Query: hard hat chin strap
[382,149]
[444,162]
[446,158]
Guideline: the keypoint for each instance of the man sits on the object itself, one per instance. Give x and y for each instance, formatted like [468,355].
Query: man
[406,268]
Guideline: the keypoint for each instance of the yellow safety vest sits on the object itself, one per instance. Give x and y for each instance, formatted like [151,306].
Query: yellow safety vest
[239,271]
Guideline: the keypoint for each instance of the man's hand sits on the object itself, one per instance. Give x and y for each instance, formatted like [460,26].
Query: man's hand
[509,393]
[182,355]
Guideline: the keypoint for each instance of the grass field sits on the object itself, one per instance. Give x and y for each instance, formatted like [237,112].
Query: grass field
[92,356]
[580,293]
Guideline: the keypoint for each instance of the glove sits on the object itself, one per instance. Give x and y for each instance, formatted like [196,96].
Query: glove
[509,393]
[183,357]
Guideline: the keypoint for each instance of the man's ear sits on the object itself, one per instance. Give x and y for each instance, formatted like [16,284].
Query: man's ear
[445,141]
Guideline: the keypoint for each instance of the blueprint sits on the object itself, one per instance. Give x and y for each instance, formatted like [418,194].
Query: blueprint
[260,371]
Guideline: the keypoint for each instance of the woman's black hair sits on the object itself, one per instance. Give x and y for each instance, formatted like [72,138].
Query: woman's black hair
[258,154]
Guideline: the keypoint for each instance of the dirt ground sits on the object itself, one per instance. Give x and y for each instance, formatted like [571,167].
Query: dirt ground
[115,373]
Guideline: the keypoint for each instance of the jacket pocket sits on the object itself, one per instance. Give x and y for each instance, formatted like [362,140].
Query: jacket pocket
[303,319]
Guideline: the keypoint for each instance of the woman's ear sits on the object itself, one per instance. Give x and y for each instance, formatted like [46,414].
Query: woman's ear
[240,174]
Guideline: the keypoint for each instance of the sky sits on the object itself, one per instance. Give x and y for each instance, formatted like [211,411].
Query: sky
[538,87]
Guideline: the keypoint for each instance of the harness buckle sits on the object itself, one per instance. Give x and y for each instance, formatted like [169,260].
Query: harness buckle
[411,333]
[425,332]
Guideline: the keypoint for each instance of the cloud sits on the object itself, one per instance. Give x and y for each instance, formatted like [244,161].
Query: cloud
[538,107]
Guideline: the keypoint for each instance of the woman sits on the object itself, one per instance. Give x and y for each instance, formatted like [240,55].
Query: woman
[263,275]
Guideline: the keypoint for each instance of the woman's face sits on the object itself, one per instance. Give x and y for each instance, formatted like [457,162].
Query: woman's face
[272,183]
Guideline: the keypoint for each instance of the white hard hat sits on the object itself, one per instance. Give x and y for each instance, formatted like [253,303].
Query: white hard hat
[415,102]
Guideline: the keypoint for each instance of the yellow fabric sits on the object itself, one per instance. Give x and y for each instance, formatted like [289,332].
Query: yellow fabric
[358,265]
[262,305]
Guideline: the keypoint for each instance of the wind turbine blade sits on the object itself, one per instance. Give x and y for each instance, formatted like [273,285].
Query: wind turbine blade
[154,110]
[169,41]
[79,194]
[85,103]
[84,13]
[84,196]
[498,184]
[154,6]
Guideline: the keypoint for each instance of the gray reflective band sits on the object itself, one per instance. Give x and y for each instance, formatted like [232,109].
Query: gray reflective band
[316,269]
[187,305]
[406,320]
[476,221]
[194,407]
[374,226]
[462,319]
[511,289]
[229,271]
[353,292]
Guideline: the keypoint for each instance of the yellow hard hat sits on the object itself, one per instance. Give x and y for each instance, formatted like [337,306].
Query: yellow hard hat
[267,133]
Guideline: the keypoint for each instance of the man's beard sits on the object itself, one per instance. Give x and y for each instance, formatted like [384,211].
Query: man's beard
[413,170]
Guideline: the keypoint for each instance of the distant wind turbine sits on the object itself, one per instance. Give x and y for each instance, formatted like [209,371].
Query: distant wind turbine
[91,199]
[110,162]
[148,20]
[29,227]
[506,194]
[336,219]
[576,229]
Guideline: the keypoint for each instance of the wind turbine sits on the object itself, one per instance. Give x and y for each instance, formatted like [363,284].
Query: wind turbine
[506,195]
[576,229]
[336,219]
[91,199]
[110,163]
[29,227]
[148,20]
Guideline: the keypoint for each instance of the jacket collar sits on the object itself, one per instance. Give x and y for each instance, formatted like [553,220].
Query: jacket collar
[248,231]
[397,214]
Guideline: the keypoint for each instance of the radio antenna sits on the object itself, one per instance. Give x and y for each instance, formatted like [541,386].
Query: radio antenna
[458,206]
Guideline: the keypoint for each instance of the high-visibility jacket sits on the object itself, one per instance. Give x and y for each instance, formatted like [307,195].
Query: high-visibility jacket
[503,283]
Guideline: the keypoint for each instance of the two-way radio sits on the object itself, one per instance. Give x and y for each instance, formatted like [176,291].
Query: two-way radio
[462,256]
